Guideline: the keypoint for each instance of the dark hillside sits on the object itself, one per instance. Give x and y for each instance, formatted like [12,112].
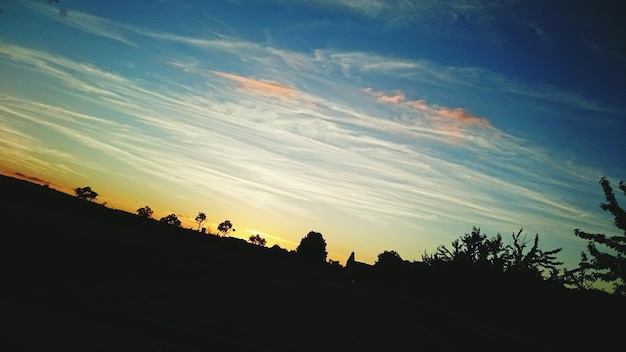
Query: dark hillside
[78,276]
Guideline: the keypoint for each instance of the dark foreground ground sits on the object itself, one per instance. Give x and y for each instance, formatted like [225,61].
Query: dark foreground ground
[76,276]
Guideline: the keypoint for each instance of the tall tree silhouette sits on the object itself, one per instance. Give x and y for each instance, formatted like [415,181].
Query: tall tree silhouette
[607,266]
[85,193]
[225,227]
[145,212]
[200,219]
[312,248]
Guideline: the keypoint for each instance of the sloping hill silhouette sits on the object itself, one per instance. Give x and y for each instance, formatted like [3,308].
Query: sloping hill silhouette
[79,276]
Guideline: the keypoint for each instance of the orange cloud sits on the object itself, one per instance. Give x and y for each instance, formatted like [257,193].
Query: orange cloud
[266,89]
[389,99]
[451,120]
[456,120]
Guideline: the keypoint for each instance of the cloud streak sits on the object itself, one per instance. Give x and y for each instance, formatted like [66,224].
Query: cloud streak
[455,121]
[267,89]
[321,143]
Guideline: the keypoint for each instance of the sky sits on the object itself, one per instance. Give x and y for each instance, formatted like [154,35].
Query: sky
[384,125]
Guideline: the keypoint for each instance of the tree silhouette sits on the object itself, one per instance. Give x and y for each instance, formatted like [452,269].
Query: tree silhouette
[145,212]
[312,248]
[85,193]
[535,260]
[389,259]
[200,219]
[478,251]
[258,240]
[171,219]
[472,249]
[582,277]
[607,266]
[225,227]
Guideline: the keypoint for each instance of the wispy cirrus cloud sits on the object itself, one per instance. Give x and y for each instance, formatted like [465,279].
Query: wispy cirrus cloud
[351,64]
[372,155]
[405,12]
[86,22]
[280,155]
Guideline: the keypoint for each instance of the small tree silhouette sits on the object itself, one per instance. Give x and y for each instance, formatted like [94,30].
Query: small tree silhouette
[258,240]
[225,227]
[171,219]
[145,212]
[200,219]
[85,193]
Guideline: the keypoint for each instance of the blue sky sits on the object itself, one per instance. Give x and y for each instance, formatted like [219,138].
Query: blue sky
[381,124]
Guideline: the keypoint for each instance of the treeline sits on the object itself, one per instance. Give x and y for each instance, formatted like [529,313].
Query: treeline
[472,255]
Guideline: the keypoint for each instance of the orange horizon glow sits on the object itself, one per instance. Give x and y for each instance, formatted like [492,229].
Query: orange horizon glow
[187,221]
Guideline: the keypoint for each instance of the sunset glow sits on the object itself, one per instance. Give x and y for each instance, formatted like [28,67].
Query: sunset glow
[381,127]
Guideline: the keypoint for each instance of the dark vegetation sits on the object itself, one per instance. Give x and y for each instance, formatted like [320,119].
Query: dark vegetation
[85,193]
[607,266]
[77,276]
